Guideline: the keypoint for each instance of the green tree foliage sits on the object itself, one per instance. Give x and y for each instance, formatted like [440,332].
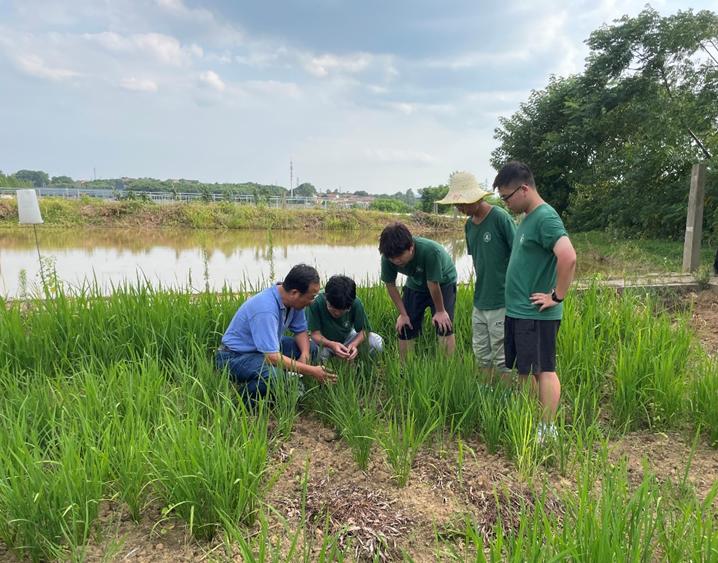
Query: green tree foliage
[430,194]
[305,190]
[37,178]
[390,204]
[63,180]
[613,146]
[13,182]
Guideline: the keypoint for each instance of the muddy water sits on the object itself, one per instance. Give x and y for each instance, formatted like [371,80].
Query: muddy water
[189,258]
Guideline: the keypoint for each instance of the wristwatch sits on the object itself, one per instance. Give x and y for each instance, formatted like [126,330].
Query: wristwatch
[555,297]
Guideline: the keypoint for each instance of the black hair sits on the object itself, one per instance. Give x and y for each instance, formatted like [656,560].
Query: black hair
[395,239]
[514,172]
[340,291]
[300,277]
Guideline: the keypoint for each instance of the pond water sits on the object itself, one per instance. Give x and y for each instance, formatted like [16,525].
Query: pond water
[184,258]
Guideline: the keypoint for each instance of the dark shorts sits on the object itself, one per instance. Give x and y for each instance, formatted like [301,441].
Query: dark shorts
[416,303]
[530,345]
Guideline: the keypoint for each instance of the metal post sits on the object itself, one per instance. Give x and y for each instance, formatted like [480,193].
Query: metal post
[694,220]
[39,258]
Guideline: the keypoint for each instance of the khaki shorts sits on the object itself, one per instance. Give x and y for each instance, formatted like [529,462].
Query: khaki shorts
[488,338]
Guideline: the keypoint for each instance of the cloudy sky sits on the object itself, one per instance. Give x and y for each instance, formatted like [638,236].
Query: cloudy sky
[381,95]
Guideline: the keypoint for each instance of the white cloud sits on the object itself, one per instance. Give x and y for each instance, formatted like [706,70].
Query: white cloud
[163,48]
[36,66]
[212,79]
[201,18]
[139,85]
[325,64]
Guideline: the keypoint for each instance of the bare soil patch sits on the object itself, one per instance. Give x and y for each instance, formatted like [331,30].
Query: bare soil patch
[705,319]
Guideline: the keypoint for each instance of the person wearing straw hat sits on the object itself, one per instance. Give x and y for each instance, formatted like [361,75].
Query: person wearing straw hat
[489,232]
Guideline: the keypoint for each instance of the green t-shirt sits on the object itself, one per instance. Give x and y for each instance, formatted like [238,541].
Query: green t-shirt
[532,266]
[431,263]
[489,244]
[319,318]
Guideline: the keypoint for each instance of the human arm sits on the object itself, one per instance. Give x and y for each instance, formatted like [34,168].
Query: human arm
[302,340]
[403,319]
[287,363]
[353,346]
[336,347]
[441,318]
[565,270]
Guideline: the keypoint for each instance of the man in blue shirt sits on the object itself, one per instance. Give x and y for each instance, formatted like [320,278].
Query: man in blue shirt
[254,346]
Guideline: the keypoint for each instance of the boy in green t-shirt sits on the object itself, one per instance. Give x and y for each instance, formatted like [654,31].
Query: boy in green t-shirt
[338,323]
[489,234]
[540,271]
[430,282]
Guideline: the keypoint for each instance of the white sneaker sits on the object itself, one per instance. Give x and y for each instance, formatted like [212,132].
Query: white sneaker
[546,432]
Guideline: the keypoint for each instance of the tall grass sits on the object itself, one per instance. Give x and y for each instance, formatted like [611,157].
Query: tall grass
[117,399]
[351,406]
[402,440]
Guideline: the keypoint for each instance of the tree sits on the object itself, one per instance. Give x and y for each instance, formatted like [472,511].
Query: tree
[431,194]
[389,205]
[305,190]
[38,178]
[613,146]
[361,193]
[13,182]
[64,180]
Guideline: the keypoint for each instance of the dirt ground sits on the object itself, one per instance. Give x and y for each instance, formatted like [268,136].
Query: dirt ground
[705,319]
[367,508]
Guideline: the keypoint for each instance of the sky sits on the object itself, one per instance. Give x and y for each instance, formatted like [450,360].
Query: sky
[377,95]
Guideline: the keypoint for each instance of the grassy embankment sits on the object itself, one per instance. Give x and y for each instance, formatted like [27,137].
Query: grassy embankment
[114,403]
[136,214]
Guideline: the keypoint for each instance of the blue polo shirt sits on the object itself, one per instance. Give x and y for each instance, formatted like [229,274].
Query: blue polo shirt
[260,322]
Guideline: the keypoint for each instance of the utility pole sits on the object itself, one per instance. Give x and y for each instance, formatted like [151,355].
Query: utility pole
[291,178]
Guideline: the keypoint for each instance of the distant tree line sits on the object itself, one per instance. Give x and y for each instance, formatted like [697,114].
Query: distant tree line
[398,202]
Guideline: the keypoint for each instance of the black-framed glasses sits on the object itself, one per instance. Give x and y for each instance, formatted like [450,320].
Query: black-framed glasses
[508,197]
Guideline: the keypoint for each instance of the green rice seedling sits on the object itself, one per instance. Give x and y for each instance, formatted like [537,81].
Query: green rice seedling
[665,392]
[462,383]
[352,408]
[285,391]
[703,393]
[584,349]
[403,439]
[127,443]
[520,437]
[689,532]
[493,403]
[49,505]
[616,524]
[212,474]
[425,388]
[632,360]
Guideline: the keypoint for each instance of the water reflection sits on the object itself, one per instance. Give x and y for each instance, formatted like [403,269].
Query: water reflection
[196,258]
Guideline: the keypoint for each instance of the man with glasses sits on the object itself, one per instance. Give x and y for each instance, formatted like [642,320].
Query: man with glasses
[489,234]
[540,271]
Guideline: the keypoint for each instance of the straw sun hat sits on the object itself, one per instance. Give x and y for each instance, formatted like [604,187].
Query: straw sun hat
[463,188]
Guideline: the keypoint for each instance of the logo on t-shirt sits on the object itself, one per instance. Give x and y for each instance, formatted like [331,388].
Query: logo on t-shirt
[487,237]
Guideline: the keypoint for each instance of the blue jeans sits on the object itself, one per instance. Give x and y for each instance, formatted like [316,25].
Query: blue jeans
[250,370]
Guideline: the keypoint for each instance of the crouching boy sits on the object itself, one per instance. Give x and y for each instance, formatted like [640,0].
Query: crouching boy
[338,323]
